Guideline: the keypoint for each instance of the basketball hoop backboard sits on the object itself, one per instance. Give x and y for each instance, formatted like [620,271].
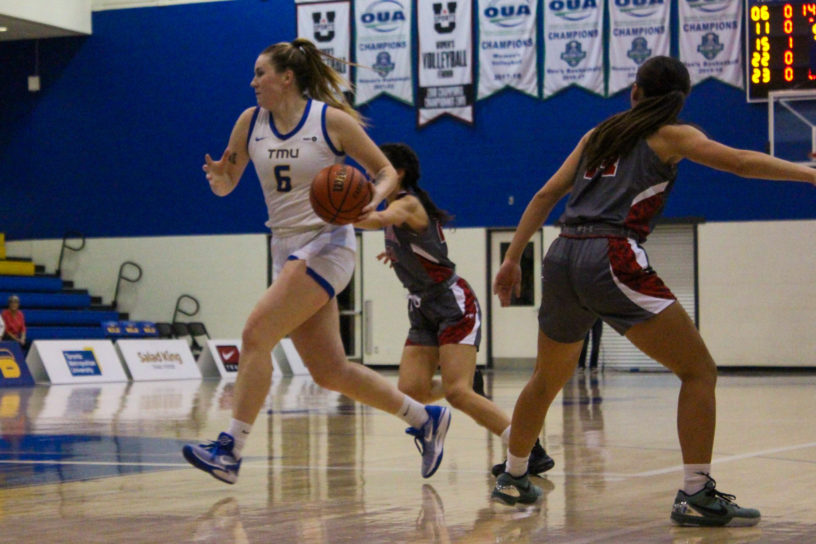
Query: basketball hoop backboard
[792,125]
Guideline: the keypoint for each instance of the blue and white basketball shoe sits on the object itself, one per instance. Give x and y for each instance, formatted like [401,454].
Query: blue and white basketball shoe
[430,438]
[217,458]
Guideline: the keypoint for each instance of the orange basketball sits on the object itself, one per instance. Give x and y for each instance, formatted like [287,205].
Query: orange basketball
[339,193]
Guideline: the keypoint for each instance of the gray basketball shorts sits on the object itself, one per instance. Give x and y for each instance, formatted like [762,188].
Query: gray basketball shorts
[452,316]
[607,277]
[329,254]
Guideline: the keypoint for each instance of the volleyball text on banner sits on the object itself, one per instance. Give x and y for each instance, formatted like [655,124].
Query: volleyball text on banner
[637,31]
[710,40]
[507,46]
[383,44]
[573,46]
[445,60]
[328,25]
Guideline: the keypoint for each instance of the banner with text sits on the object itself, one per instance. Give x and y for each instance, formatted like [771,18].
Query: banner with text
[158,359]
[383,45]
[445,56]
[710,43]
[507,46]
[637,31]
[328,25]
[75,361]
[573,46]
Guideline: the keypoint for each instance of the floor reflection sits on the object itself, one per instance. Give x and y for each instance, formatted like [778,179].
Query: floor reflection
[102,463]
[221,524]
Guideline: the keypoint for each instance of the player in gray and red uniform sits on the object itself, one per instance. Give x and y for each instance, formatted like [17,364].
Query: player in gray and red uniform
[618,177]
[443,310]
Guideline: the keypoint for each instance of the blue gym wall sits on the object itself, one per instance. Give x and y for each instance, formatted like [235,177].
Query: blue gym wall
[113,144]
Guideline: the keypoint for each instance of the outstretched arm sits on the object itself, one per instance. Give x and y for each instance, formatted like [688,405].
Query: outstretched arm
[685,141]
[407,210]
[508,278]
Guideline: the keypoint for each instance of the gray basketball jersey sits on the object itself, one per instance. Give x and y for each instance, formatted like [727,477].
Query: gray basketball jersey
[286,164]
[630,193]
[420,259]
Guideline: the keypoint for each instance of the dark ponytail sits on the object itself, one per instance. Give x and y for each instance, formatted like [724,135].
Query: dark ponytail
[664,83]
[403,157]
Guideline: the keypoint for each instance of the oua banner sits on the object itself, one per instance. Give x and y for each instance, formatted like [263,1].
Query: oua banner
[573,46]
[507,46]
[637,31]
[383,46]
[709,40]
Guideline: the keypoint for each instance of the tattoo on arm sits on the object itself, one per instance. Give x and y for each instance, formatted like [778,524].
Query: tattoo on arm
[233,158]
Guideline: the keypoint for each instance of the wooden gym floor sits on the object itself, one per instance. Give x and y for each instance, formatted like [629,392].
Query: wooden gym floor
[101,464]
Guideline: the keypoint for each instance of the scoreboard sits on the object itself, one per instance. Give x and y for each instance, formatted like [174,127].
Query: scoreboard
[780,46]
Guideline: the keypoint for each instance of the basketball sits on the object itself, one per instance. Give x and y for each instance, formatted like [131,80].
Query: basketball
[339,192]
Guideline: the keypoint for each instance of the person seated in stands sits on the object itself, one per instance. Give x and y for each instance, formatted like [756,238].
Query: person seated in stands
[14,320]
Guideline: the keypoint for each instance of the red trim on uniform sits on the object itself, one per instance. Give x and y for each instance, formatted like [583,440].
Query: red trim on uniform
[457,332]
[642,213]
[435,271]
[627,270]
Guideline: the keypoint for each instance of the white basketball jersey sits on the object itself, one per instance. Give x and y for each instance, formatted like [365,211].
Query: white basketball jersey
[286,164]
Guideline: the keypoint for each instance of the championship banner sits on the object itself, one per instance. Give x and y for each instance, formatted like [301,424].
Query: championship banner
[383,45]
[507,46]
[710,40]
[328,25]
[637,31]
[573,46]
[445,58]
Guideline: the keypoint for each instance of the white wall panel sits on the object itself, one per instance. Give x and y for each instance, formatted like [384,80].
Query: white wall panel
[71,15]
[758,292]
[757,284]
[99,5]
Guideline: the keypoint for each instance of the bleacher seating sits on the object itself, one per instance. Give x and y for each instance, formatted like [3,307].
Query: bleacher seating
[55,310]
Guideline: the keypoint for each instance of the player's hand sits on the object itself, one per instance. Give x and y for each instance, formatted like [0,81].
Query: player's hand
[507,282]
[215,168]
[386,259]
[217,173]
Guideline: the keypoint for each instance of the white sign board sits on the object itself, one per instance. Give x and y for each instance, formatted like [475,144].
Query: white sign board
[220,358]
[158,359]
[75,361]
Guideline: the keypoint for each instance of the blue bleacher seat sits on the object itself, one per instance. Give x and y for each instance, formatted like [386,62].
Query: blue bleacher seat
[49,300]
[30,283]
[65,333]
[68,317]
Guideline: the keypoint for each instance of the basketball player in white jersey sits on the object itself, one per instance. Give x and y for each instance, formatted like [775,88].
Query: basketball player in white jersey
[301,125]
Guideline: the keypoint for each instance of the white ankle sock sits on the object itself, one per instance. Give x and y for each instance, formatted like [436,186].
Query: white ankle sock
[692,480]
[516,466]
[239,432]
[412,412]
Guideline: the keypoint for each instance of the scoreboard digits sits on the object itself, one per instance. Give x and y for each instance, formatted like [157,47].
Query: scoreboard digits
[780,46]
